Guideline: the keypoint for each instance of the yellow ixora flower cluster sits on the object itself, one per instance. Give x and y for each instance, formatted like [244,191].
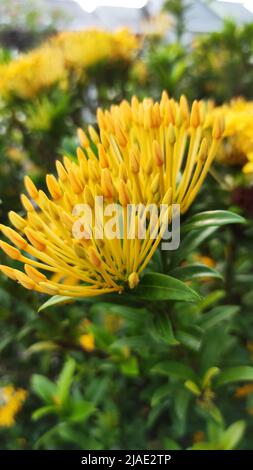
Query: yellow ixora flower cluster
[237,145]
[11,401]
[62,56]
[144,152]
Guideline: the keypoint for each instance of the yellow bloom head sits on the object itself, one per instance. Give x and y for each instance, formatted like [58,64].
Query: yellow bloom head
[65,55]
[11,401]
[237,146]
[143,153]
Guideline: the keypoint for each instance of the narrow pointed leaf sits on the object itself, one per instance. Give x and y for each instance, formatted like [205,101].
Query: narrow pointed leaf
[65,380]
[174,369]
[44,388]
[234,374]
[217,315]
[195,271]
[55,300]
[212,219]
[155,286]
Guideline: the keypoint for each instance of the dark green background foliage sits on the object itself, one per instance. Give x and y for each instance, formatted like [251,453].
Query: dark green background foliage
[168,357]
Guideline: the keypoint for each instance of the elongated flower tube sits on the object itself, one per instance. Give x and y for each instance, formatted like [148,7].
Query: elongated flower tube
[82,239]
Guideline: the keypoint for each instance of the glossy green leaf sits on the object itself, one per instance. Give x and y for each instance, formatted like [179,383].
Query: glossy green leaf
[130,367]
[232,436]
[212,219]
[43,346]
[209,375]
[160,394]
[204,446]
[234,374]
[81,411]
[170,444]
[190,242]
[134,314]
[174,369]
[192,387]
[191,337]
[211,299]
[217,315]
[44,388]
[162,331]
[65,379]
[132,342]
[43,411]
[56,300]
[195,271]
[155,286]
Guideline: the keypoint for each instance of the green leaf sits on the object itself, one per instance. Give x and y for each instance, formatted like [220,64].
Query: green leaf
[80,411]
[204,446]
[130,367]
[44,388]
[181,404]
[211,299]
[212,219]
[234,374]
[209,375]
[217,315]
[170,444]
[195,271]
[71,435]
[134,314]
[155,286]
[56,300]
[132,342]
[162,331]
[190,242]
[45,410]
[43,346]
[191,338]
[97,389]
[214,430]
[193,387]
[160,394]
[215,414]
[65,380]
[174,369]
[232,436]
[47,436]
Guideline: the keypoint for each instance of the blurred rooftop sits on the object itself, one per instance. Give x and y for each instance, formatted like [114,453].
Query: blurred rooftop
[202,16]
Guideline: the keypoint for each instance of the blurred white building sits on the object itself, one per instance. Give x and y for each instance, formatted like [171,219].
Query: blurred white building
[203,16]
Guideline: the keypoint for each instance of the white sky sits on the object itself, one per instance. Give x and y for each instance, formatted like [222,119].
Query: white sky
[90,5]
[247,3]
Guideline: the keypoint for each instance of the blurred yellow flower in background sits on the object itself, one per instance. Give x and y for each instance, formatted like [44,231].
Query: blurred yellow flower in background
[85,48]
[25,76]
[139,71]
[11,401]
[145,152]
[87,342]
[237,146]
[158,25]
[210,262]
[244,391]
[66,53]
